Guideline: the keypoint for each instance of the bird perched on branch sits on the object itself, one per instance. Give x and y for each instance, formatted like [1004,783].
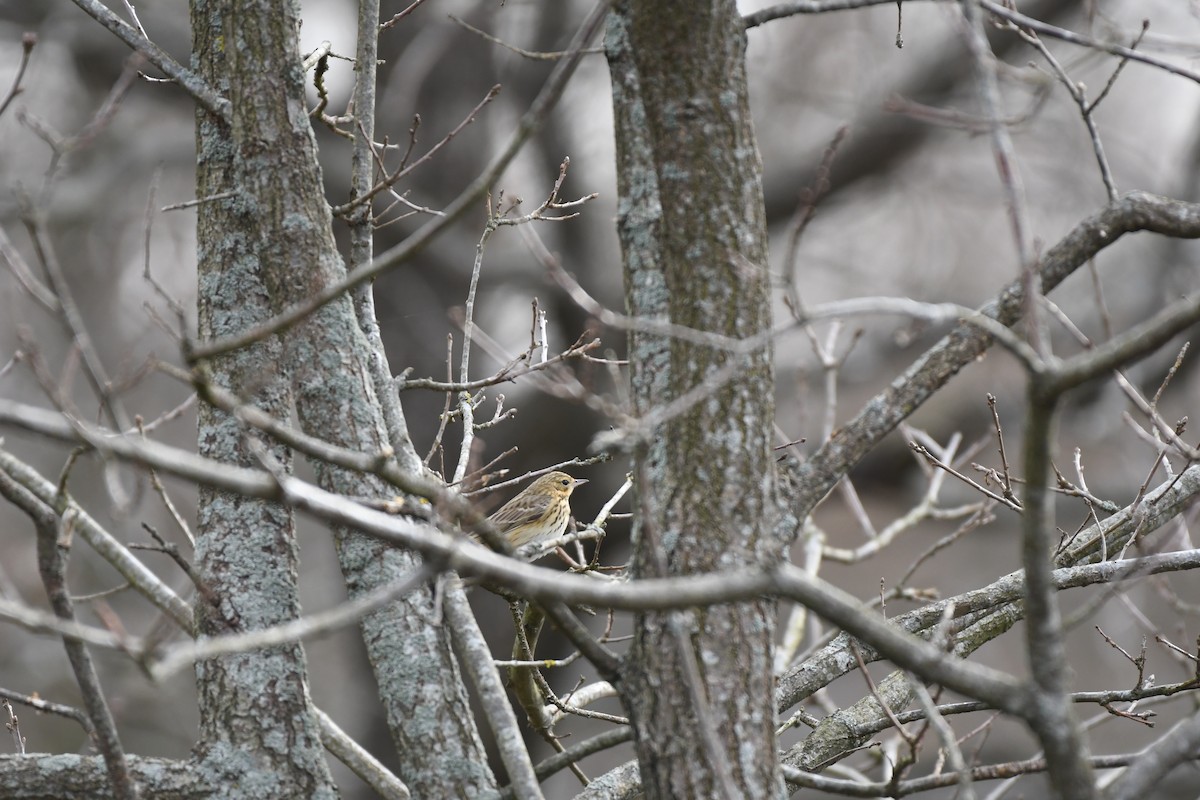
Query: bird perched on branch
[540,512]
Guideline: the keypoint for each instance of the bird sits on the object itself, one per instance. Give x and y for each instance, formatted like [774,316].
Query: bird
[539,513]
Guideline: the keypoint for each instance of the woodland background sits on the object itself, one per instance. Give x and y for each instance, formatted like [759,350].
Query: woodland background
[910,207]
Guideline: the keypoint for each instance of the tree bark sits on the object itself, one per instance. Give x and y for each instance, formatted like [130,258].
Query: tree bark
[256,725]
[328,370]
[694,238]
[63,776]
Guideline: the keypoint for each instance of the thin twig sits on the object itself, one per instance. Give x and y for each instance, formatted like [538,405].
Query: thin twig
[28,42]
[552,55]
[53,542]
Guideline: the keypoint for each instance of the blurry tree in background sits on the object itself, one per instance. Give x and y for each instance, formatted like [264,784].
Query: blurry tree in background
[807,560]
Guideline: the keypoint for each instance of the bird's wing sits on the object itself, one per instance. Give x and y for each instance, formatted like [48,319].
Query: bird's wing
[521,510]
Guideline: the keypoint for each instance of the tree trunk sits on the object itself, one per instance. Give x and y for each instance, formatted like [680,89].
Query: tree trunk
[323,365]
[256,725]
[694,238]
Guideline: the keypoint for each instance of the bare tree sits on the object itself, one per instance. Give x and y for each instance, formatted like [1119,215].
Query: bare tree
[693,684]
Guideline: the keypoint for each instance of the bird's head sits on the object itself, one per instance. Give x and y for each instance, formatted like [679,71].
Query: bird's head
[558,484]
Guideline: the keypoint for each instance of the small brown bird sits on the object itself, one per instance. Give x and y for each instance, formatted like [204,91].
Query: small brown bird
[540,512]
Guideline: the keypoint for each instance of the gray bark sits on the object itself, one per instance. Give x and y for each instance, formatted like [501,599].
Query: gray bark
[277,234]
[694,238]
[256,725]
[54,776]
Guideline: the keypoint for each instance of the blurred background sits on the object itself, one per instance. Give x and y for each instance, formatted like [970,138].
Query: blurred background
[911,206]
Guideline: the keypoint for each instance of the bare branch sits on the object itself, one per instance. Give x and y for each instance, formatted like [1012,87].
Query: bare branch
[466,200]
[189,81]
[530,54]
[28,42]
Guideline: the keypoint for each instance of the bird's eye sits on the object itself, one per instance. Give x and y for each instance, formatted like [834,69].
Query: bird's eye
[565,482]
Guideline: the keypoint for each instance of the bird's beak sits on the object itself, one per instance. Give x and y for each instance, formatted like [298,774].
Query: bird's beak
[580,482]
